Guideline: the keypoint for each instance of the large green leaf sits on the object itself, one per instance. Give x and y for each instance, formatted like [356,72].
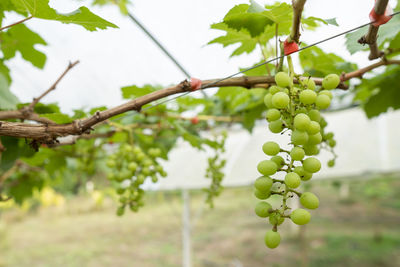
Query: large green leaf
[82,16]
[133,91]
[15,149]
[20,38]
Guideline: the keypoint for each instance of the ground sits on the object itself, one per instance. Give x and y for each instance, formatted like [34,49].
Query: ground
[359,230]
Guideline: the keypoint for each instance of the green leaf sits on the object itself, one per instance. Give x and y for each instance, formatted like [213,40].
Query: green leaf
[24,187]
[20,38]
[332,21]
[58,117]
[134,91]
[82,16]
[15,148]
[7,99]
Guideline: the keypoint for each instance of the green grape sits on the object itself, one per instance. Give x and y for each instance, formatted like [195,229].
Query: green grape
[280,162]
[262,209]
[326,92]
[323,101]
[308,96]
[304,175]
[267,167]
[332,143]
[271,148]
[292,180]
[309,200]
[314,115]
[272,239]
[276,219]
[323,123]
[132,166]
[154,179]
[268,100]
[120,211]
[276,126]
[273,115]
[111,163]
[311,150]
[263,184]
[315,139]
[286,91]
[282,79]
[312,165]
[299,137]
[262,195]
[280,100]
[296,90]
[313,128]
[331,81]
[140,179]
[300,216]
[310,84]
[331,163]
[274,89]
[301,110]
[329,136]
[297,153]
[301,122]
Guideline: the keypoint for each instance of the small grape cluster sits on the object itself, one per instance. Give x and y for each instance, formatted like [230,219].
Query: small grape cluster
[295,109]
[130,167]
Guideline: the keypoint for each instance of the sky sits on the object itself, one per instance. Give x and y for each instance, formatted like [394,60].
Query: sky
[112,58]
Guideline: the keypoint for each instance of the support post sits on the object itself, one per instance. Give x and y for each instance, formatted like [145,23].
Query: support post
[186,229]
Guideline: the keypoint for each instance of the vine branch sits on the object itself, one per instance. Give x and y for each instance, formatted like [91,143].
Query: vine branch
[16,23]
[372,34]
[298,6]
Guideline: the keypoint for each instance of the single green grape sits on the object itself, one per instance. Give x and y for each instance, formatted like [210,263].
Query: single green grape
[267,167]
[315,139]
[331,81]
[301,122]
[323,101]
[273,115]
[313,128]
[326,92]
[332,143]
[280,162]
[272,239]
[262,209]
[263,184]
[331,163]
[304,175]
[120,211]
[299,137]
[276,126]
[300,216]
[292,180]
[271,148]
[297,153]
[323,123]
[132,166]
[280,100]
[282,79]
[312,165]
[311,150]
[309,200]
[111,163]
[276,219]
[328,135]
[308,97]
[301,110]
[310,84]
[314,115]
[140,179]
[274,89]
[268,100]
[262,195]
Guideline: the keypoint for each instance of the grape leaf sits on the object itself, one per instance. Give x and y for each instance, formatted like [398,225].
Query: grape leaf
[82,16]
[20,38]
[7,99]
[134,91]
[15,148]
[57,117]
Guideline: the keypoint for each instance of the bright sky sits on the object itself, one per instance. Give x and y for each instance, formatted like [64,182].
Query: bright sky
[114,58]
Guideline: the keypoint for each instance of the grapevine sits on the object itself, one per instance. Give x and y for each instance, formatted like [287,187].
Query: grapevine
[295,109]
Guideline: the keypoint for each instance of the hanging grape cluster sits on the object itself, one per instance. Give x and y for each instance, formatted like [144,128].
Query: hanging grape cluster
[130,166]
[293,108]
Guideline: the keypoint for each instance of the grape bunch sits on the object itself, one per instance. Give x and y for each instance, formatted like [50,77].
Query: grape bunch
[130,166]
[296,109]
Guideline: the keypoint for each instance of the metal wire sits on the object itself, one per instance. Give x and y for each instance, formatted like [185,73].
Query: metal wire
[265,62]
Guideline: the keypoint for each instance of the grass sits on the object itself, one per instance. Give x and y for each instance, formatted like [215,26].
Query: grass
[361,230]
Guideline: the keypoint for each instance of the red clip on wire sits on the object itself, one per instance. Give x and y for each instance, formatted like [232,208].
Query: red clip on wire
[289,48]
[195,84]
[380,19]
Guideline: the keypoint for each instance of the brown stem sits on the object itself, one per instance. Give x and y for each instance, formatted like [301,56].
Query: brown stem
[360,72]
[372,34]
[298,6]
[16,23]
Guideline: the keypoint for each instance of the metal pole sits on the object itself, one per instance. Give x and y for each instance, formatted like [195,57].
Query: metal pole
[186,246]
